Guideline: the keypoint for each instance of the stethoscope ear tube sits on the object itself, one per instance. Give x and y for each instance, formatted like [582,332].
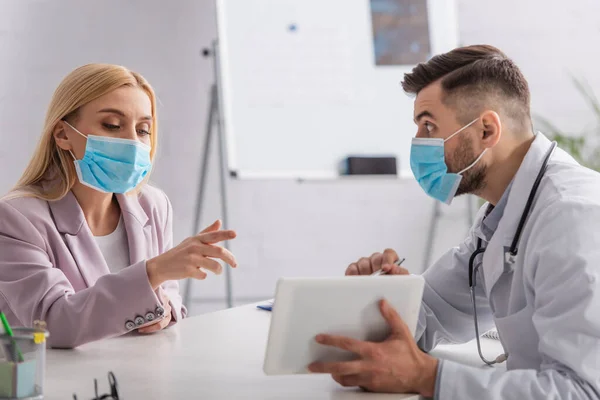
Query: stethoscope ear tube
[514,247]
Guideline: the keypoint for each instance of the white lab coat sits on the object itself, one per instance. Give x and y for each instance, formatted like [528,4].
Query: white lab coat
[546,305]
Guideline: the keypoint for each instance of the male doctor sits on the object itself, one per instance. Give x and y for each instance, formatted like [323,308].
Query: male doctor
[537,275]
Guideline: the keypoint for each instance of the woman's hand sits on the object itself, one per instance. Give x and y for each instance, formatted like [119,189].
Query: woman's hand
[161,323]
[188,259]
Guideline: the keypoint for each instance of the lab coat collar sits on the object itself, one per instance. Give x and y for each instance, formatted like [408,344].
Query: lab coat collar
[522,186]
[494,261]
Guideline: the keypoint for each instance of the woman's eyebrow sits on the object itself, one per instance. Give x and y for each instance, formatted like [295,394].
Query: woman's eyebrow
[121,113]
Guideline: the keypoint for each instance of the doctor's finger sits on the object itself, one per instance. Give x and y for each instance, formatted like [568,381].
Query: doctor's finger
[394,320]
[391,269]
[376,261]
[209,250]
[344,343]
[364,266]
[352,269]
[216,237]
[390,256]
[338,368]
[347,380]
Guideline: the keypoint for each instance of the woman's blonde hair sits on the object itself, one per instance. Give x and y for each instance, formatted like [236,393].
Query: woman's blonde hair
[53,164]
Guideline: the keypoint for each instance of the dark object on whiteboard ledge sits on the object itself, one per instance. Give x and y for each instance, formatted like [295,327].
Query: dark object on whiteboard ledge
[369,166]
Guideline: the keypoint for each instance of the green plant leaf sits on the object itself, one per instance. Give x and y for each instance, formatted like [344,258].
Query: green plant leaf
[581,145]
[584,88]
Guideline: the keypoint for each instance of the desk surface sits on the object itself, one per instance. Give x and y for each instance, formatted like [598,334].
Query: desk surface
[213,356]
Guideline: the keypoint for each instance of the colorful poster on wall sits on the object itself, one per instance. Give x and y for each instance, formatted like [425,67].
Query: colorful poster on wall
[400,31]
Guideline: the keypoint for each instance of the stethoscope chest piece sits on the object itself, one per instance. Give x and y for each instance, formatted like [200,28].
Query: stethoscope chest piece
[510,258]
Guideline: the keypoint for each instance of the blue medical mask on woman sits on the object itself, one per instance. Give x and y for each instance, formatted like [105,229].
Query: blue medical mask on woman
[429,167]
[112,165]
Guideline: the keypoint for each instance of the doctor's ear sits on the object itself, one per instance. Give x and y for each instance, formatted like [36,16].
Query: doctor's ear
[492,128]
[60,136]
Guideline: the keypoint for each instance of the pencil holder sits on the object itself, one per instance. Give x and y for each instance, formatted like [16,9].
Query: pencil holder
[22,364]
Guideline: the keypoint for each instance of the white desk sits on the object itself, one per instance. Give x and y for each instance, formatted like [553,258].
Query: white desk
[213,356]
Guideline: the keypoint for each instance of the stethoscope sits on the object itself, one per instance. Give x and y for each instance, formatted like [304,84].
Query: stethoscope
[510,256]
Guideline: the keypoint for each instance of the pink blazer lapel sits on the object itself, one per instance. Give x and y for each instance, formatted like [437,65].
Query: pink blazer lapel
[70,222]
[139,230]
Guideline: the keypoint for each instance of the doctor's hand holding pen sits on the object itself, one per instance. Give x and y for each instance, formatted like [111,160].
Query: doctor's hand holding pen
[386,263]
[190,258]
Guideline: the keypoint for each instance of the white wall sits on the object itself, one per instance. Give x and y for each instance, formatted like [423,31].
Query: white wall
[285,228]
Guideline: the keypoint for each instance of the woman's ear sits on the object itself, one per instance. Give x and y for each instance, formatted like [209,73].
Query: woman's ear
[492,128]
[60,136]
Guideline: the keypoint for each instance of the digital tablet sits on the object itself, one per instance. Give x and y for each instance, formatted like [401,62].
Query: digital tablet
[348,306]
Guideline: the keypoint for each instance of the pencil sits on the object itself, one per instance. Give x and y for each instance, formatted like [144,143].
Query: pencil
[10,333]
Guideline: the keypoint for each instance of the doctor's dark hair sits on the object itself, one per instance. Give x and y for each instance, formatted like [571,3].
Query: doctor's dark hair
[474,78]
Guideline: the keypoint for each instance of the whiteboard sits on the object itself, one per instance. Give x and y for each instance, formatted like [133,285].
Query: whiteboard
[300,88]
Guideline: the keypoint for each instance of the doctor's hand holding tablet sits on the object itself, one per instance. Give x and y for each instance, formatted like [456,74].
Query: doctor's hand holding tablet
[366,340]
[394,365]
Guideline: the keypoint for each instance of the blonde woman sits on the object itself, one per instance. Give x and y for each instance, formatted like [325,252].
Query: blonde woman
[85,243]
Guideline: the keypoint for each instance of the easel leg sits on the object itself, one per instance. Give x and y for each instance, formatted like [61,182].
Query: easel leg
[202,183]
[224,200]
[214,117]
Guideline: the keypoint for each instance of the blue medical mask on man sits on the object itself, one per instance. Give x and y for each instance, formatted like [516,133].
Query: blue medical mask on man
[112,165]
[428,165]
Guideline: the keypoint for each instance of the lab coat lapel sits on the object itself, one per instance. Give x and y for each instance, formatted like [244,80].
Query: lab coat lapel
[494,260]
[139,231]
[70,222]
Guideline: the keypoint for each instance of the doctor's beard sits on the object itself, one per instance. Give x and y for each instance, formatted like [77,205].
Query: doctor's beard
[473,180]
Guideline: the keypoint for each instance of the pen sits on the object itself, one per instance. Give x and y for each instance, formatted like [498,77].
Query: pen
[9,332]
[380,271]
